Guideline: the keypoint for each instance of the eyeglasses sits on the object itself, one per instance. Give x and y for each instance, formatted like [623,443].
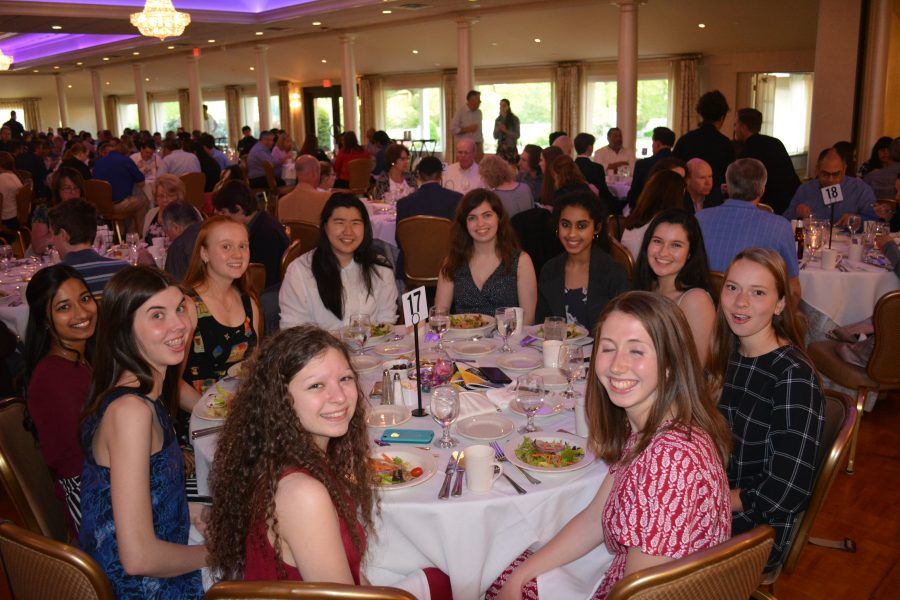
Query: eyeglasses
[69,188]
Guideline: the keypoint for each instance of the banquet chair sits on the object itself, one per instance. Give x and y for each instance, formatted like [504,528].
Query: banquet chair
[294,251]
[278,192]
[194,184]
[621,255]
[765,207]
[882,372]
[615,226]
[717,279]
[39,568]
[25,177]
[99,193]
[22,242]
[307,233]
[276,590]
[360,175]
[23,205]
[840,414]
[424,241]
[256,277]
[26,478]
[729,571]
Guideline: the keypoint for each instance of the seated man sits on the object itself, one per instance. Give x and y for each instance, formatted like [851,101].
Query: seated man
[74,227]
[593,173]
[304,203]
[176,161]
[698,180]
[463,175]
[662,141]
[431,198]
[858,199]
[614,155]
[260,153]
[181,222]
[122,175]
[146,158]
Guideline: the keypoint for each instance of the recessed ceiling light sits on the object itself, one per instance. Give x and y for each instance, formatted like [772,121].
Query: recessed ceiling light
[36,71]
[70,86]
[55,66]
[415,51]
[386,12]
[136,53]
[56,27]
[146,79]
[171,47]
[105,58]
[79,63]
[537,40]
[495,44]
[701,25]
[107,83]
[259,32]
[316,23]
[324,61]
[252,68]
[211,41]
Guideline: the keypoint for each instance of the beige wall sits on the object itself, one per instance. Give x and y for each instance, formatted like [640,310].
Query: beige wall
[892,91]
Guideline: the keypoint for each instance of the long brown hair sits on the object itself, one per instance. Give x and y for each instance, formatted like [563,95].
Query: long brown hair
[680,389]
[461,244]
[548,188]
[664,190]
[263,438]
[566,172]
[788,325]
[197,268]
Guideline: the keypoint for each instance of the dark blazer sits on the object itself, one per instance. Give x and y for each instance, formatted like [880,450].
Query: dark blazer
[535,229]
[641,173]
[711,145]
[781,180]
[708,202]
[606,280]
[431,200]
[596,175]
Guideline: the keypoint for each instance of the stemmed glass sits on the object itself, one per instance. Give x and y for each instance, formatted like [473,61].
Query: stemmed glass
[814,238]
[358,331]
[132,239]
[571,360]
[6,254]
[853,223]
[530,396]
[506,322]
[439,321]
[445,410]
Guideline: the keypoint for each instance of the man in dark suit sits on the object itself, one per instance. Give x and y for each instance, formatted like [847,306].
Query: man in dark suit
[662,141]
[431,199]
[782,179]
[707,142]
[698,186]
[594,173]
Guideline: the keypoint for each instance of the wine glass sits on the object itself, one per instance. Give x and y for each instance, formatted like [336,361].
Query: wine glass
[853,223]
[439,321]
[506,322]
[555,328]
[6,254]
[358,331]
[814,238]
[445,410]
[530,396]
[571,359]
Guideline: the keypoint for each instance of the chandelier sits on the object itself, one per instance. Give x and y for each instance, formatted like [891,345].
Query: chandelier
[160,19]
[5,61]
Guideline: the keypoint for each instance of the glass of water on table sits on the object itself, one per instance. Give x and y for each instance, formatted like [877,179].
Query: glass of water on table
[530,396]
[445,410]
[506,322]
[357,332]
[438,321]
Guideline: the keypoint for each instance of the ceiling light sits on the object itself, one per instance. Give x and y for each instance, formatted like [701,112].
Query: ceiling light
[316,23]
[70,86]
[259,32]
[386,12]
[107,83]
[537,40]
[136,53]
[105,58]
[35,71]
[56,27]
[701,25]
[79,63]
[211,41]
[324,61]
[159,19]
[415,51]
[146,79]
[171,47]
[494,44]
[55,66]
[252,68]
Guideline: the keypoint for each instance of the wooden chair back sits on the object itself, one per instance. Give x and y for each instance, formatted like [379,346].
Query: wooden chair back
[256,277]
[360,175]
[765,207]
[294,250]
[25,476]
[25,177]
[22,242]
[194,184]
[278,590]
[425,242]
[884,366]
[270,175]
[615,226]
[99,193]
[621,255]
[717,278]
[307,233]
[23,205]
[39,568]
[730,571]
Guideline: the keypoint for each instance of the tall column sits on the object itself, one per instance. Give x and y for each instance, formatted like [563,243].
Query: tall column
[61,99]
[263,91]
[875,87]
[626,76]
[194,94]
[98,100]
[141,97]
[348,83]
[465,68]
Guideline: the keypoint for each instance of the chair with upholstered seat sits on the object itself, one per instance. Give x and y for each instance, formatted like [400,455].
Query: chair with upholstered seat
[38,568]
[307,233]
[256,277]
[717,279]
[621,255]
[22,242]
[194,184]
[765,207]
[26,478]
[23,205]
[425,242]
[99,193]
[277,590]
[292,253]
[729,571]
[882,373]
[360,170]
[615,226]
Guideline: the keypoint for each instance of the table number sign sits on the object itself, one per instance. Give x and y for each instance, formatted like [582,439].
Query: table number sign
[832,194]
[415,310]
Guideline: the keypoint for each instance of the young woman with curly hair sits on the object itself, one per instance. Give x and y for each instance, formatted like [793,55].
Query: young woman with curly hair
[485,269]
[292,478]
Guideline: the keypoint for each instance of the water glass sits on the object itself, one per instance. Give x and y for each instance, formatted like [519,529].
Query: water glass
[571,360]
[6,255]
[506,322]
[853,223]
[438,321]
[555,328]
[445,410]
[530,396]
[815,237]
[357,332]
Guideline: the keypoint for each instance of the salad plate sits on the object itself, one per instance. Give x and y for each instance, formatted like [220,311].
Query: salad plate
[378,333]
[519,362]
[548,452]
[400,468]
[213,404]
[394,349]
[574,332]
[485,427]
[554,379]
[387,415]
[469,325]
[476,348]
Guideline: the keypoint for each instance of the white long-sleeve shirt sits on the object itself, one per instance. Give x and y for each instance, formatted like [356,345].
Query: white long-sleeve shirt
[301,304]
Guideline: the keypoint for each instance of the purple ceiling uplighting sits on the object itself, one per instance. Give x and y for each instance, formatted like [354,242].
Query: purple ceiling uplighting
[245,6]
[32,46]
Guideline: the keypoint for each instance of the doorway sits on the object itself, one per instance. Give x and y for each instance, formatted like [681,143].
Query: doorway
[323,114]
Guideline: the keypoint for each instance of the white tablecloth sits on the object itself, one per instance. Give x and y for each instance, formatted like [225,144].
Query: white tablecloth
[384,222]
[13,308]
[619,188]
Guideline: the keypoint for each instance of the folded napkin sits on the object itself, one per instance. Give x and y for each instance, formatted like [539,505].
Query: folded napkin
[474,403]
[501,397]
[862,266]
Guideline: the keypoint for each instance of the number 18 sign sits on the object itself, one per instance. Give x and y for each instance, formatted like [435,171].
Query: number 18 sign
[832,194]
[415,306]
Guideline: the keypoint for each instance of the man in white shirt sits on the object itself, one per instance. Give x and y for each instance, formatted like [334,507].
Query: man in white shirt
[146,159]
[614,156]
[466,123]
[176,161]
[463,175]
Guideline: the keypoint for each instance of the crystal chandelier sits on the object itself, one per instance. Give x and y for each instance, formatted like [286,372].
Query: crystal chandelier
[160,19]
[5,61]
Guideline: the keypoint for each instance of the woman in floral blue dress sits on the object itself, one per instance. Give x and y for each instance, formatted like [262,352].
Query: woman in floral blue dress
[135,516]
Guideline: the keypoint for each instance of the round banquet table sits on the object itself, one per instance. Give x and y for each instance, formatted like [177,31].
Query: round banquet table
[13,308]
[474,537]
[384,221]
[618,186]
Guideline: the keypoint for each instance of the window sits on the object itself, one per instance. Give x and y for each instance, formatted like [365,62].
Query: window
[531,102]
[128,116]
[414,110]
[20,114]
[251,113]
[218,123]
[785,100]
[652,110]
[166,116]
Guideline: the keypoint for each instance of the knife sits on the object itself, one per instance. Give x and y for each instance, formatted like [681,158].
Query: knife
[208,431]
[460,471]
[452,464]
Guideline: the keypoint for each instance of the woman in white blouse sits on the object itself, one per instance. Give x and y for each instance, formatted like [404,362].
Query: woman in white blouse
[343,276]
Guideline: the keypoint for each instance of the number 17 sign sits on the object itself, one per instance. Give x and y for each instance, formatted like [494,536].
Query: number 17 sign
[415,306]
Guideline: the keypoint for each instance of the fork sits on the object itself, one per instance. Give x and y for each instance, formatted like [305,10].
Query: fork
[498,452]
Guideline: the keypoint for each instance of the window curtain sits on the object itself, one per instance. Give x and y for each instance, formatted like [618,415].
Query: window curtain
[284,104]
[112,114]
[184,108]
[233,111]
[568,92]
[371,98]
[32,109]
[448,87]
[687,92]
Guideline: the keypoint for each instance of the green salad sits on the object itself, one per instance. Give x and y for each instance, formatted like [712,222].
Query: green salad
[380,329]
[552,454]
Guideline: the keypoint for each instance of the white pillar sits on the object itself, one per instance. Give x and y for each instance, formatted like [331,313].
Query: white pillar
[263,91]
[626,76]
[61,99]
[194,95]
[98,100]
[876,77]
[141,97]
[348,83]
[465,68]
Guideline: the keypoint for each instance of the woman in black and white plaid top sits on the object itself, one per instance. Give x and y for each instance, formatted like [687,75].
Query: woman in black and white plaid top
[770,396]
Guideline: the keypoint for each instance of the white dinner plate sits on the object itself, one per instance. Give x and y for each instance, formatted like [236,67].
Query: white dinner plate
[387,415]
[519,362]
[510,450]
[365,363]
[394,349]
[574,332]
[461,333]
[414,458]
[476,348]
[554,379]
[485,427]
[202,410]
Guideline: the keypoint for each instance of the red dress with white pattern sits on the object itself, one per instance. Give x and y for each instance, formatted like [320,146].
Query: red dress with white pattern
[671,500]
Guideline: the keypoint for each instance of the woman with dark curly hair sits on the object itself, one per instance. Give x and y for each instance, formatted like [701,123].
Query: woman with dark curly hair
[485,269]
[292,478]
[395,181]
[880,157]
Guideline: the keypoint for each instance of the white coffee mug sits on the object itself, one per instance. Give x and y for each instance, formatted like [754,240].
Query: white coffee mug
[482,468]
[581,425]
[855,253]
[830,259]
[551,350]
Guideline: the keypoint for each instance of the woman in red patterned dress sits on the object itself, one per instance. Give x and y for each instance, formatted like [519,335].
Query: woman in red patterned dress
[666,493]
